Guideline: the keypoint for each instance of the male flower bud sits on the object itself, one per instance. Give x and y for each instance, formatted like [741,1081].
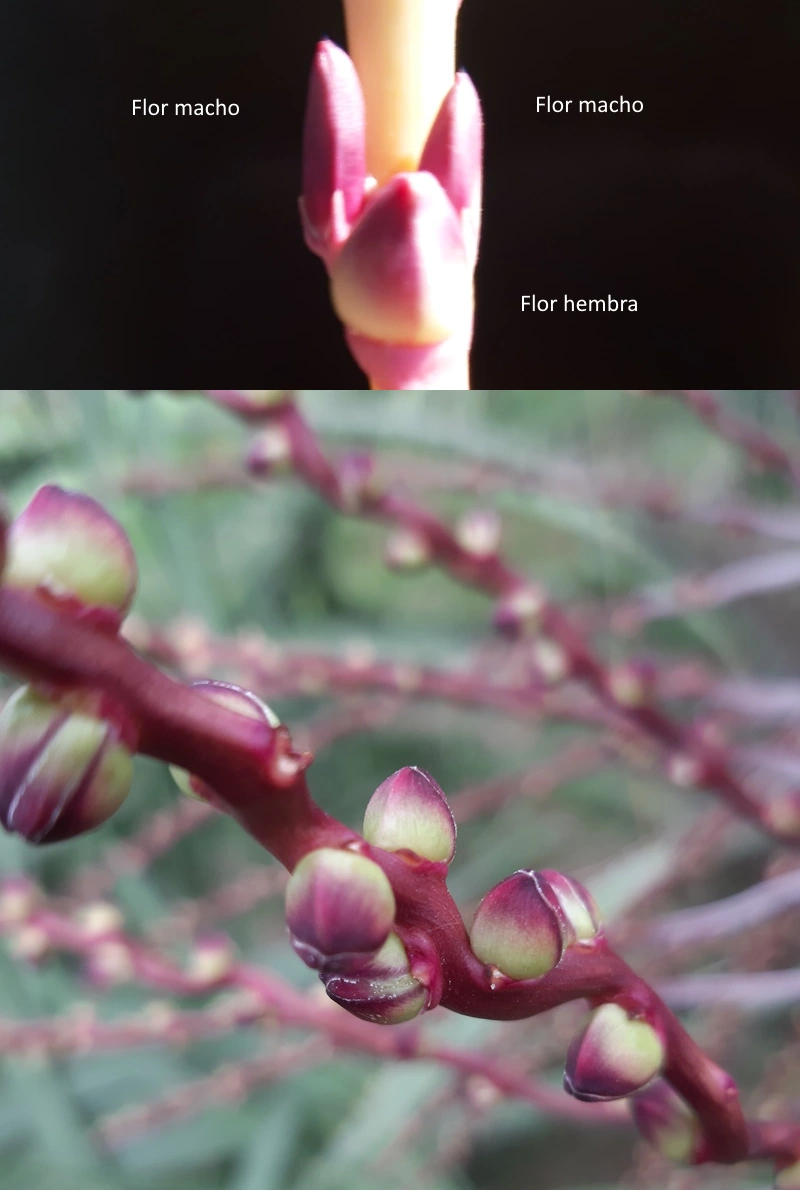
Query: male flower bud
[65,764]
[339,908]
[517,930]
[614,1056]
[574,904]
[232,698]
[382,989]
[67,549]
[667,1122]
[409,812]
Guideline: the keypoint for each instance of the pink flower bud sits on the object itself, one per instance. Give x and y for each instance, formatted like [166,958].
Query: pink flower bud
[232,698]
[250,404]
[339,908]
[382,989]
[574,904]
[270,451]
[615,1056]
[67,549]
[516,929]
[409,812]
[453,153]
[521,611]
[402,276]
[478,533]
[65,764]
[667,1122]
[334,161]
[406,550]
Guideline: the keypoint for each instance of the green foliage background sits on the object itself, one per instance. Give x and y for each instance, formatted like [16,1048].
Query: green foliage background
[273,556]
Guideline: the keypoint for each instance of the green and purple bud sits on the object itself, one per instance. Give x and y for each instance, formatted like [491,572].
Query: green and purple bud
[232,698]
[667,1122]
[409,813]
[340,908]
[250,404]
[524,924]
[383,989]
[616,1055]
[69,551]
[66,764]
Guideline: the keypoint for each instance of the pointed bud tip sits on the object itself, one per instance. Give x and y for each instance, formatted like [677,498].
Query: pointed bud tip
[339,907]
[614,1056]
[410,812]
[573,903]
[516,931]
[402,276]
[66,548]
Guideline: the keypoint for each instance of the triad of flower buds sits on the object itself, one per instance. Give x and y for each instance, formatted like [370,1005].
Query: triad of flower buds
[67,549]
[382,989]
[667,1122]
[524,924]
[65,764]
[614,1056]
[409,812]
[232,698]
[339,908]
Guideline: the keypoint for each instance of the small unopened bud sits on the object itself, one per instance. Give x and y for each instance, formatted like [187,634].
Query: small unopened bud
[110,963]
[382,989]
[65,764]
[520,612]
[630,684]
[478,533]
[550,660]
[270,451]
[248,403]
[402,276]
[572,901]
[409,812]
[232,698]
[100,919]
[19,897]
[516,930]
[407,550]
[614,1056]
[684,770]
[211,959]
[339,908]
[667,1122]
[67,549]
[30,943]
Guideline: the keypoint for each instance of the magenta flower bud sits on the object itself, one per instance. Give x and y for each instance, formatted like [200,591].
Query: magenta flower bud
[574,904]
[614,1056]
[67,549]
[232,698]
[339,908]
[409,812]
[402,276]
[65,764]
[453,153]
[667,1122]
[517,930]
[382,989]
[250,404]
[334,153]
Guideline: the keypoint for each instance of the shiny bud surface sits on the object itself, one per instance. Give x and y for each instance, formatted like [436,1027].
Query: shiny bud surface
[516,930]
[409,812]
[382,989]
[614,1056]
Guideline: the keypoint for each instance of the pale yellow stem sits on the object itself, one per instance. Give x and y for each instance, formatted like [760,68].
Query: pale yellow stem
[404,52]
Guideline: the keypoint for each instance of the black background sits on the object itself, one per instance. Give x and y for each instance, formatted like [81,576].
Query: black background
[166,251]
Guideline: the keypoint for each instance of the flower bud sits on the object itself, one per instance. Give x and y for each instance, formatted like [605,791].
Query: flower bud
[667,1122]
[248,403]
[402,276]
[66,548]
[409,812]
[339,908]
[232,698]
[269,452]
[574,904]
[516,929]
[615,1056]
[520,612]
[453,153]
[65,764]
[478,533]
[382,990]
[406,550]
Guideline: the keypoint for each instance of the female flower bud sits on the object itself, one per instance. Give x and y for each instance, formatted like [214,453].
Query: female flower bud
[65,764]
[517,930]
[339,908]
[232,698]
[409,812]
[615,1056]
[382,990]
[67,549]
[667,1122]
